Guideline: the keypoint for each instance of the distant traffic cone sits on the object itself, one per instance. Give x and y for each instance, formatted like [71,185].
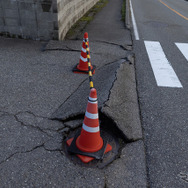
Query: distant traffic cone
[89,144]
[82,67]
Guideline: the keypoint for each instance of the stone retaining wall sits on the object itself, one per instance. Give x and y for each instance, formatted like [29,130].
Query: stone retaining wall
[41,19]
[33,19]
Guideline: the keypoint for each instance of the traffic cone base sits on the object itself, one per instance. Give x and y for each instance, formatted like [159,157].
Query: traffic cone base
[84,159]
[76,69]
[87,159]
[76,150]
[69,141]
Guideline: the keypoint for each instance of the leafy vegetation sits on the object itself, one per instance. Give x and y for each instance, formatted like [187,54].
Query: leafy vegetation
[123,11]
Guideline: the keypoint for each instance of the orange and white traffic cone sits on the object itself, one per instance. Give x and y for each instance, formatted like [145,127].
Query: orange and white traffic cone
[82,67]
[89,144]
[90,139]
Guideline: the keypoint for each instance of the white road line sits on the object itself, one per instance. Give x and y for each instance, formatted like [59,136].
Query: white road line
[134,23]
[183,47]
[162,69]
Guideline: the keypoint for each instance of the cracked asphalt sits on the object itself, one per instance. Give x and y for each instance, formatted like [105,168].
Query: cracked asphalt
[42,101]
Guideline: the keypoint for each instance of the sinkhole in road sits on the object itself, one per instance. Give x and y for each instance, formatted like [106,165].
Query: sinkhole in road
[108,131]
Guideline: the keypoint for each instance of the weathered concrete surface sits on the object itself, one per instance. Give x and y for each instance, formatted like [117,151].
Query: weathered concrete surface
[41,19]
[43,168]
[122,105]
[29,19]
[103,81]
[17,138]
[34,81]
[129,170]
[107,24]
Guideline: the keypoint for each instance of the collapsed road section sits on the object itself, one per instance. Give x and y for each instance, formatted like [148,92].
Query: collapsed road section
[88,144]
[34,154]
[118,110]
[43,105]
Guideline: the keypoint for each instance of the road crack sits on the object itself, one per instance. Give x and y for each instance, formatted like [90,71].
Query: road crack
[32,126]
[52,117]
[21,152]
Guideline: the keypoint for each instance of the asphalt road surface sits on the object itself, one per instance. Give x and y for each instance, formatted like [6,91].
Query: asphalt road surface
[160,38]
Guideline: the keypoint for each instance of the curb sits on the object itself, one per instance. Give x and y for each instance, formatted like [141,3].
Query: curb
[127,15]
[122,105]
[128,24]
[123,108]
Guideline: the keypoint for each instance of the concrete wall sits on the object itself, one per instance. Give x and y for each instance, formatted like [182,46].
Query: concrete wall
[69,11]
[33,19]
[41,19]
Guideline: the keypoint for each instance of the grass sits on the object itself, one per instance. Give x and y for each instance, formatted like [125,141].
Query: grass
[123,11]
[87,18]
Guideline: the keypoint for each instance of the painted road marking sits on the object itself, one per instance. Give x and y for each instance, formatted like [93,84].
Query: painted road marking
[173,10]
[134,23]
[162,69]
[183,47]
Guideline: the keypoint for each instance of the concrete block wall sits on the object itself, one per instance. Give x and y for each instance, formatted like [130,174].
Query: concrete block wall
[69,11]
[32,19]
[41,19]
